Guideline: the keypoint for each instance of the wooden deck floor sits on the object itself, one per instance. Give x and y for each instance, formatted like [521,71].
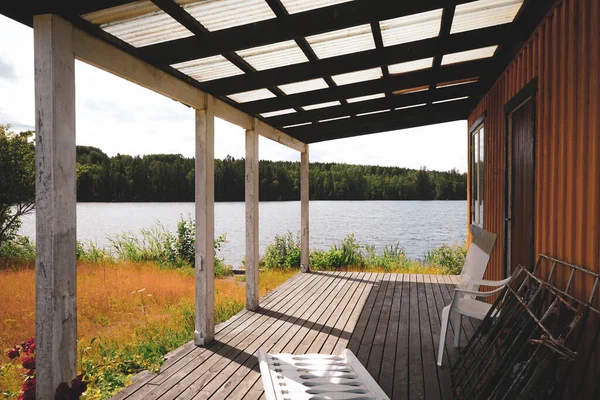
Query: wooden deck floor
[390,321]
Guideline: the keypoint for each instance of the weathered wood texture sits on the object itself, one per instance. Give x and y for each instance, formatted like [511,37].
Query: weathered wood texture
[304,213]
[251,197]
[564,55]
[205,224]
[390,321]
[56,318]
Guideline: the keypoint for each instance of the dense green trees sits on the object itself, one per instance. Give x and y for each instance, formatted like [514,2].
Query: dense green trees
[17,179]
[171,178]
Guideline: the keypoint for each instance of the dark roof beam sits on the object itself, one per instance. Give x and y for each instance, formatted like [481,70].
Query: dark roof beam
[387,103]
[447,17]
[395,83]
[363,60]
[321,20]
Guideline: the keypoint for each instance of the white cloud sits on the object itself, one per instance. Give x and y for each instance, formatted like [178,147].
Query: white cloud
[121,117]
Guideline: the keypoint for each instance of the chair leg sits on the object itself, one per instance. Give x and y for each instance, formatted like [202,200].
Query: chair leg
[443,331]
[457,329]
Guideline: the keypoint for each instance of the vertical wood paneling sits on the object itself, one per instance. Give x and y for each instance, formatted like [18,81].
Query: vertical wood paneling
[564,56]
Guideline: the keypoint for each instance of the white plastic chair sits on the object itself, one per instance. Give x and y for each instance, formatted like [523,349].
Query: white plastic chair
[464,300]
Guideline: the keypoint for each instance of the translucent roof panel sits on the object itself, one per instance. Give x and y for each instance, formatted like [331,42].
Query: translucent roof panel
[278,112]
[295,125]
[343,41]
[411,28]
[335,119]
[484,13]
[297,6]
[448,100]
[371,113]
[457,82]
[147,29]
[122,12]
[411,90]
[322,105]
[365,98]
[215,15]
[209,68]
[305,86]
[411,106]
[484,52]
[411,66]
[252,95]
[273,55]
[357,76]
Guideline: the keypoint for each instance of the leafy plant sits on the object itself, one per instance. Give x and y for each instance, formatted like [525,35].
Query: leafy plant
[283,252]
[450,258]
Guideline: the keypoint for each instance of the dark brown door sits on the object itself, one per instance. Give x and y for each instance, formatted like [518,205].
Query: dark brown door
[521,185]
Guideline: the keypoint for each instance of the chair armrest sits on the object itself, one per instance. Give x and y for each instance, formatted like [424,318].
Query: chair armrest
[479,294]
[484,282]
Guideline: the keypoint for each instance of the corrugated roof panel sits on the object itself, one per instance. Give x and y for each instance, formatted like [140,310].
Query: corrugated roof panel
[273,55]
[371,112]
[448,100]
[343,41]
[411,27]
[457,82]
[334,119]
[322,105]
[357,76]
[296,6]
[209,68]
[484,13]
[278,112]
[295,125]
[411,66]
[215,15]
[251,95]
[305,86]
[147,29]
[476,54]
[119,13]
[411,106]
[365,98]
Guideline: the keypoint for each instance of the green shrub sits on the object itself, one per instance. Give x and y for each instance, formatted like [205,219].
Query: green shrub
[91,253]
[17,248]
[282,253]
[450,258]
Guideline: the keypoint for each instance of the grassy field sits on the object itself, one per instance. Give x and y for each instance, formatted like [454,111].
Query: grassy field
[129,315]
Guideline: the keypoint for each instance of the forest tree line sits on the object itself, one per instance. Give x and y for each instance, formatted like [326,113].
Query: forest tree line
[170,177]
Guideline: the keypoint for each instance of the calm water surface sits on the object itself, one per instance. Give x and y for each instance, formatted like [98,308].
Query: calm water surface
[415,225]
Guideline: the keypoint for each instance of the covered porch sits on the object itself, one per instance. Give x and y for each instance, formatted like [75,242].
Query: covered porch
[390,321]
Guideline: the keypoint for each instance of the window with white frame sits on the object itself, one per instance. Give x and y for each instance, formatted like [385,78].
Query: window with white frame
[477,172]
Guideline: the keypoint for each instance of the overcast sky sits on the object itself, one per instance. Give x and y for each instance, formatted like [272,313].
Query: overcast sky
[120,117]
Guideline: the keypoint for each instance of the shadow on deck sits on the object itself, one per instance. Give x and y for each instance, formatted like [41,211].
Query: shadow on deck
[390,321]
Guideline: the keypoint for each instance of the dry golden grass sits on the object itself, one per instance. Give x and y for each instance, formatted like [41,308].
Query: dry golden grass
[116,300]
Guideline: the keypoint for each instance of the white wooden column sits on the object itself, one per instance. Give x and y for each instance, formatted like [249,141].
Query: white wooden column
[56,319]
[252,219]
[205,225]
[304,181]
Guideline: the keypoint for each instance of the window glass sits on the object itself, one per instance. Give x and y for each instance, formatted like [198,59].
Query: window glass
[477,173]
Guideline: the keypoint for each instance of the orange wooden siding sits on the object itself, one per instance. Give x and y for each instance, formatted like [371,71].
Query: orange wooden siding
[564,55]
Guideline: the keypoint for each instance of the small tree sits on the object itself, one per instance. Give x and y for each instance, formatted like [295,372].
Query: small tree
[17,180]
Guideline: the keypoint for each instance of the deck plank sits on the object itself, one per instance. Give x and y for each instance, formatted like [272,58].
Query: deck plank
[192,383]
[388,363]
[430,374]
[390,321]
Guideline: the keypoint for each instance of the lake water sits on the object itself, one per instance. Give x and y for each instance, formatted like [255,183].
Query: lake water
[415,225]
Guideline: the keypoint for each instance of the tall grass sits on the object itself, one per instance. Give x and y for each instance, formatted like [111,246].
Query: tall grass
[129,315]
[284,254]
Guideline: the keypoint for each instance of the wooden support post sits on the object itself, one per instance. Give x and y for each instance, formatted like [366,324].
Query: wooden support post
[252,219]
[205,225]
[56,318]
[304,181]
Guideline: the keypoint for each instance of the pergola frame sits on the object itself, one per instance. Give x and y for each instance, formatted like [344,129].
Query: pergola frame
[57,45]
[409,99]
